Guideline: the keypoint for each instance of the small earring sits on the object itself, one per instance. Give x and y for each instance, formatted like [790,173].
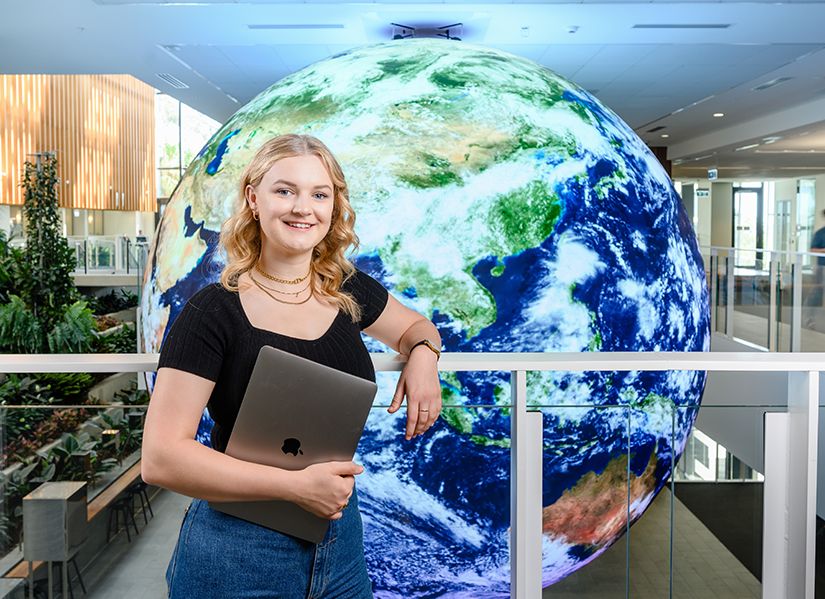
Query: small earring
[255,215]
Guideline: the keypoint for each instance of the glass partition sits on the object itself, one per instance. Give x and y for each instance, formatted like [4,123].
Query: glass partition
[778,298]
[435,510]
[752,297]
[641,496]
[716,503]
[659,507]
[587,461]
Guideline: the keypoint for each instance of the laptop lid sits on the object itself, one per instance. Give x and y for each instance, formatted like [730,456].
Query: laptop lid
[295,413]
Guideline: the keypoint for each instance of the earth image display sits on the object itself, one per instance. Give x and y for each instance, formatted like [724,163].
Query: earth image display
[520,215]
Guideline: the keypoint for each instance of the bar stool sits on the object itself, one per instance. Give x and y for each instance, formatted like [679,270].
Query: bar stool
[73,562]
[138,490]
[43,588]
[121,508]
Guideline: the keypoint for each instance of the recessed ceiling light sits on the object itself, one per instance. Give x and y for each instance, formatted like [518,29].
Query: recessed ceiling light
[747,147]
[718,115]
[665,135]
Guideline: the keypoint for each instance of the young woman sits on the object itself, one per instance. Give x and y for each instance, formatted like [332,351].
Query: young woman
[288,284]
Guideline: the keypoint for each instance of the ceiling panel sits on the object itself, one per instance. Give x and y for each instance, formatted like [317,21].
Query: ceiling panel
[642,74]
[257,60]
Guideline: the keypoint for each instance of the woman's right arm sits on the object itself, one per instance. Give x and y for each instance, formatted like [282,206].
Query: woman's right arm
[173,459]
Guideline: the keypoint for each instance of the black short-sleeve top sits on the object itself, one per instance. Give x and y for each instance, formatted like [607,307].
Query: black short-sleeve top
[213,338]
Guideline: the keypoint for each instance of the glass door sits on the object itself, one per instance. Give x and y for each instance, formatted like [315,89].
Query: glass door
[747,225]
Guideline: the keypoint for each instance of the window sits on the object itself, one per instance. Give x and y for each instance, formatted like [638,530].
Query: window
[180,133]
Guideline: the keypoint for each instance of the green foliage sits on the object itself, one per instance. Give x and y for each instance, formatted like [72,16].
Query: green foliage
[39,307]
[129,429]
[77,458]
[10,259]
[123,341]
[14,390]
[74,332]
[69,387]
[49,261]
[20,330]
[114,301]
[132,396]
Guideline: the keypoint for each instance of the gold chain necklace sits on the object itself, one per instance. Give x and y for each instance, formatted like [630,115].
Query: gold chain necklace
[299,292]
[279,280]
[262,288]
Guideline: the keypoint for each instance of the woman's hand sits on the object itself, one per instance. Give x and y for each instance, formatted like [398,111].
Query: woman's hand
[324,489]
[419,382]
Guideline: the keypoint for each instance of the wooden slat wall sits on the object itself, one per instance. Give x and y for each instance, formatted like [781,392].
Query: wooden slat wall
[102,128]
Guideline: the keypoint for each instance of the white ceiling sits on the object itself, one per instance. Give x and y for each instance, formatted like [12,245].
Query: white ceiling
[671,77]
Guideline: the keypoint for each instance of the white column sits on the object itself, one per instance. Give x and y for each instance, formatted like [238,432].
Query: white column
[789,519]
[525,493]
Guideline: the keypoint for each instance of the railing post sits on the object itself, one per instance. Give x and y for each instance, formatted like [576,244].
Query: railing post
[117,259]
[789,511]
[796,303]
[773,321]
[714,287]
[526,440]
[730,263]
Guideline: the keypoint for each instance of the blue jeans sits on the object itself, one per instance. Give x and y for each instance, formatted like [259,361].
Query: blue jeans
[224,557]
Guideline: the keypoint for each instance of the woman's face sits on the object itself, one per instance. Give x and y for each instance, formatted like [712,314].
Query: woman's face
[294,201]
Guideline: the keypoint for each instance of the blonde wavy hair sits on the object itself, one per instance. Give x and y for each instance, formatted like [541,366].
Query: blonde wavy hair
[241,233]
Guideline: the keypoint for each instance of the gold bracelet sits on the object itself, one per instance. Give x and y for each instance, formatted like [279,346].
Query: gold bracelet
[430,345]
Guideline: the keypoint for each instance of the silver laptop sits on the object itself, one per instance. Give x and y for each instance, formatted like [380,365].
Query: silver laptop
[295,413]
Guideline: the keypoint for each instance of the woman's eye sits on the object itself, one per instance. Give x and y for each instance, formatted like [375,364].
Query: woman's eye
[282,191]
[321,196]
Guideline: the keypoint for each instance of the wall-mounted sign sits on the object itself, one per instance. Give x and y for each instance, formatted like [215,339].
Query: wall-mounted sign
[713,174]
[703,193]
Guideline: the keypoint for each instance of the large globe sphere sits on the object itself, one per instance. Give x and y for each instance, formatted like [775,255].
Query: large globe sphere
[520,215]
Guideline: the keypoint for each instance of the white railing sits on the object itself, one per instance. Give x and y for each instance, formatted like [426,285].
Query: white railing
[790,444]
[109,254]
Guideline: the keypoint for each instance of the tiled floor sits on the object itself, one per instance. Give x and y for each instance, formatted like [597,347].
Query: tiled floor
[702,568]
[136,570]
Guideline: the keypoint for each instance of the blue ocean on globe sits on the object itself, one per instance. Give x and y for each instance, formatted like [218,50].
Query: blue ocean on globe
[521,215]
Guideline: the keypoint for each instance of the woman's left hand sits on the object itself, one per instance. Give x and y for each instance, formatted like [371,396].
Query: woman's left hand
[419,382]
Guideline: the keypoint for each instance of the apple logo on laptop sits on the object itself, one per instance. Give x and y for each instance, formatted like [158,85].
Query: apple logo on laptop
[292,446]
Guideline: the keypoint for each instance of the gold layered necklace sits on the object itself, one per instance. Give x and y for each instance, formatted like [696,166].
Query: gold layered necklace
[277,299]
[279,280]
[299,292]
